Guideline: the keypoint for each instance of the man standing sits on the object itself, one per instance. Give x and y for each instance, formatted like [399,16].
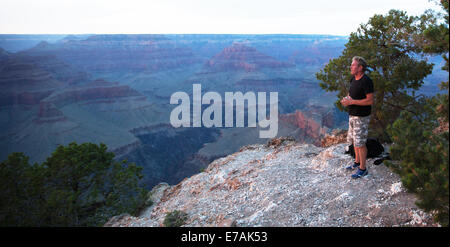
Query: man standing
[359,102]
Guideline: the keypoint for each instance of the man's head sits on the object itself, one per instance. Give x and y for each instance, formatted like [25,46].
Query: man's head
[358,66]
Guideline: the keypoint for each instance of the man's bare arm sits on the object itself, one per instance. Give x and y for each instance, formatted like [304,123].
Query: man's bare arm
[367,101]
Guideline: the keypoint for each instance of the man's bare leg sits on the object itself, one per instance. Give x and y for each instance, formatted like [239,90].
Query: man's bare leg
[362,155]
[357,158]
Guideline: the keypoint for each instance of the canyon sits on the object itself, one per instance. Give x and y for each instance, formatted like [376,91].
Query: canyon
[116,89]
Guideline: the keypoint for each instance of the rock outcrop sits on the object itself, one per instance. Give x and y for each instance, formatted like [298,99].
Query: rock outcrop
[240,57]
[26,80]
[21,72]
[309,123]
[113,53]
[337,136]
[96,90]
[284,183]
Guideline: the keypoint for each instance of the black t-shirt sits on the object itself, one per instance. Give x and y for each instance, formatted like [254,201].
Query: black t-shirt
[358,90]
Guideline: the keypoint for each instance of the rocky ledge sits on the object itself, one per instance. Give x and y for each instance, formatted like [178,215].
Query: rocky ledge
[284,183]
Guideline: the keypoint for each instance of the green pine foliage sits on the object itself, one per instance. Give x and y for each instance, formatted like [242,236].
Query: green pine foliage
[175,219]
[20,191]
[421,154]
[78,185]
[421,140]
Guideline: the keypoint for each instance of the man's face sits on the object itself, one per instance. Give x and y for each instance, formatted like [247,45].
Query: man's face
[355,68]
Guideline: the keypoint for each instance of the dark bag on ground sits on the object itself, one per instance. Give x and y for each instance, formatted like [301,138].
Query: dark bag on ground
[374,148]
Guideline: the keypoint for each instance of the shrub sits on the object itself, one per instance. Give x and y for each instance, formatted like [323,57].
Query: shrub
[175,219]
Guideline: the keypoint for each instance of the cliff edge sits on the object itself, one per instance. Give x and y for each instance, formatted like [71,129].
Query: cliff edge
[284,183]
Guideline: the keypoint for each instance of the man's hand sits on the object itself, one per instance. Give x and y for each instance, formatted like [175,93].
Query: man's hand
[349,101]
[346,101]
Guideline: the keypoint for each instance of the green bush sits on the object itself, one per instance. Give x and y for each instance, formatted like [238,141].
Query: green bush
[175,219]
[421,151]
[78,185]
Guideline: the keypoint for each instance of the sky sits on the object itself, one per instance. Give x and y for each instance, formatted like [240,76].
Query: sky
[338,17]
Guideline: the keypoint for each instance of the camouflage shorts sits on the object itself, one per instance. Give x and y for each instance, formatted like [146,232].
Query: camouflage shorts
[358,129]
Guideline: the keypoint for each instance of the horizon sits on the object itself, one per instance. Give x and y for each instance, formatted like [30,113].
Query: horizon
[175,34]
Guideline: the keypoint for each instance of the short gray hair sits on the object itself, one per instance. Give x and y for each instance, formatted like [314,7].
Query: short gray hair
[361,61]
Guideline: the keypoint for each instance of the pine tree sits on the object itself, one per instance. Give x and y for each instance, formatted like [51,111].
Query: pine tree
[421,140]
[78,185]
[20,190]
